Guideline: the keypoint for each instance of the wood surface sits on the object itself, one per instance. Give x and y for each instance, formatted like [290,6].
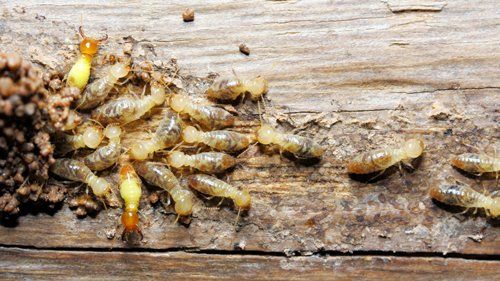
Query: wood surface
[57,265]
[353,75]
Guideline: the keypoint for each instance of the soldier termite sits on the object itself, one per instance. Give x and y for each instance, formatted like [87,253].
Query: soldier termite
[213,186]
[105,156]
[98,90]
[166,135]
[466,197]
[130,191]
[207,162]
[477,163]
[79,74]
[221,140]
[381,159]
[127,109]
[209,117]
[230,89]
[301,147]
[159,175]
[90,136]
[77,171]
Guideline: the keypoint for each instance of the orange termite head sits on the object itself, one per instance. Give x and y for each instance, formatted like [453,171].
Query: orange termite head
[130,221]
[126,169]
[89,46]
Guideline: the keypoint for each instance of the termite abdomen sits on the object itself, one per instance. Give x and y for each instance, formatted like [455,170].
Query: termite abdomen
[476,163]
[466,197]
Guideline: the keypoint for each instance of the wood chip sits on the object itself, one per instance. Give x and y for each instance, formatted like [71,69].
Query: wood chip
[244,49]
[188,15]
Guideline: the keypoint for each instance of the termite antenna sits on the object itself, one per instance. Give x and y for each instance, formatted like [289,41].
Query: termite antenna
[176,146]
[80,30]
[176,219]
[235,74]
[237,219]
[246,150]
[97,122]
[260,112]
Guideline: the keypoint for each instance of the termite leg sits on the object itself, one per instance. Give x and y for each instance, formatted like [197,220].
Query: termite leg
[176,219]
[237,218]
[378,175]
[222,200]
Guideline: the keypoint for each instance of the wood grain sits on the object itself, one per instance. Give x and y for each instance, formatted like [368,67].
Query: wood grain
[351,74]
[74,265]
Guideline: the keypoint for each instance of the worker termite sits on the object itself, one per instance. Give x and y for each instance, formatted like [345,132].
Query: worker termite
[91,137]
[159,175]
[77,171]
[207,162]
[98,90]
[209,117]
[166,135]
[106,156]
[476,163]
[221,140]
[127,109]
[301,147]
[213,186]
[79,74]
[231,89]
[381,159]
[466,197]
[130,191]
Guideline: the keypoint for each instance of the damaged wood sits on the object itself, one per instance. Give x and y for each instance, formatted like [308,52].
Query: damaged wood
[337,76]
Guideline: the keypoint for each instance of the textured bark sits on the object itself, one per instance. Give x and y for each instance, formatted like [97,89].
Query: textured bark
[354,75]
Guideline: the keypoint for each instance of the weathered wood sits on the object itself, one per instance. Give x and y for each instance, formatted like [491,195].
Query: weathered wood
[351,74]
[74,265]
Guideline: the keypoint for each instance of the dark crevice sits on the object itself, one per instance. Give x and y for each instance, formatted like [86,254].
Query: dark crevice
[238,252]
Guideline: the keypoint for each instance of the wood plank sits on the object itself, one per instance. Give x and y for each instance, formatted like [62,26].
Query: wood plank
[353,75]
[74,265]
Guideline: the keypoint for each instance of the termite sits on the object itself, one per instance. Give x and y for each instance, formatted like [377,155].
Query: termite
[476,163]
[98,90]
[79,74]
[130,191]
[106,156]
[77,171]
[91,137]
[127,109]
[221,140]
[301,147]
[209,117]
[213,186]
[381,159]
[159,175]
[166,135]
[231,89]
[466,197]
[207,162]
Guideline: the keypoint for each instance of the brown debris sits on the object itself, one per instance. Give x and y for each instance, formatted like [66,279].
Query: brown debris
[59,99]
[84,205]
[188,15]
[25,149]
[244,49]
